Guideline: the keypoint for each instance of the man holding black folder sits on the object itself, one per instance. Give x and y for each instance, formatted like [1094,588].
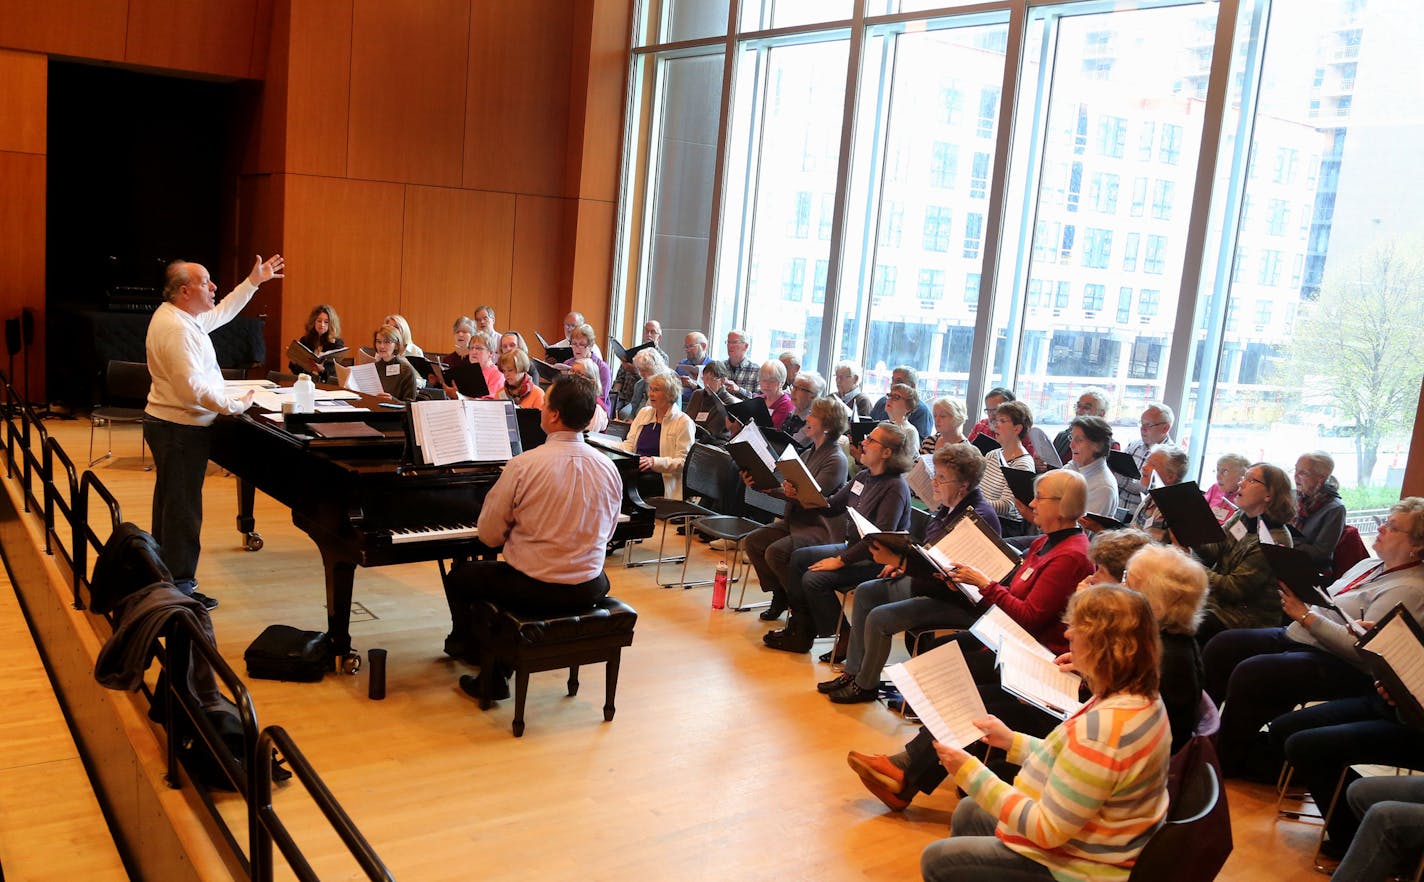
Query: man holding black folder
[553,509]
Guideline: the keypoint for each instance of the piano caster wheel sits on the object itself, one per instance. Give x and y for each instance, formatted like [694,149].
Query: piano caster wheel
[351,663]
[253,542]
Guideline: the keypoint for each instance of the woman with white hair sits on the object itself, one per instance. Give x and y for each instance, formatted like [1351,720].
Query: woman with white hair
[645,363]
[1320,513]
[661,434]
[586,367]
[949,417]
[1168,464]
[400,324]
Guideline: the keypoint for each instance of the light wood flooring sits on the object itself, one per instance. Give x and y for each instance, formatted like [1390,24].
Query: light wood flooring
[722,763]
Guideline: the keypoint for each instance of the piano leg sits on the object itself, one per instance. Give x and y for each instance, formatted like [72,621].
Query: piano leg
[340,576]
[246,520]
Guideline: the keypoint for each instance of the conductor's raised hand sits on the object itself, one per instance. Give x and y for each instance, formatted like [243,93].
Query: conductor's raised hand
[267,270]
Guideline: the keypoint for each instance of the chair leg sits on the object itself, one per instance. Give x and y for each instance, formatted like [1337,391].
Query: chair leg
[1329,812]
[108,453]
[845,601]
[521,692]
[573,679]
[742,605]
[610,675]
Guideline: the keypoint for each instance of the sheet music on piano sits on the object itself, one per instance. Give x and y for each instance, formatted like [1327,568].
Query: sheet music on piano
[465,431]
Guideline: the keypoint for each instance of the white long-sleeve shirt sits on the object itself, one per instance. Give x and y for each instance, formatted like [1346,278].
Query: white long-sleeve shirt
[187,382]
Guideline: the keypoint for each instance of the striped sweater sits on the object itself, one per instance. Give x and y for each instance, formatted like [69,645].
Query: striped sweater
[1089,795]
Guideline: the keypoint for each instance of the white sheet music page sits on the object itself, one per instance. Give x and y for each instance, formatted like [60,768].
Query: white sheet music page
[1030,676]
[489,429]
[967,544]
[751,433]
[1396,644]
[862,523]
[920,477]
[442,431]
[938,686]
[995,628]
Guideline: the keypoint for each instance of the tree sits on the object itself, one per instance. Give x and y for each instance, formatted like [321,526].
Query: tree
[1359,344]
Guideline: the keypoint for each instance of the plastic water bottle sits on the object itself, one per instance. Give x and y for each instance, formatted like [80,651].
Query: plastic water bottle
[719,586]
[304,399]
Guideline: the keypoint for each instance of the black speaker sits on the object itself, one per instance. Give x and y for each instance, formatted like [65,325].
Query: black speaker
[12,337]
[27,324]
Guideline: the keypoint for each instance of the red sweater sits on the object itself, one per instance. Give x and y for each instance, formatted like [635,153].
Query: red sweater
[1039,589]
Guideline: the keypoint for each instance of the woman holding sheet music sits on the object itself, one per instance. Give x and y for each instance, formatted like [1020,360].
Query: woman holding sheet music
[1243,589]
[1011,421]
[1092,792]
[581,340]
[887,606]
[661,434]
[396,374]
[517,385]
[708,405]
[323,334]
[880,495]
[769,549]
[1261,673]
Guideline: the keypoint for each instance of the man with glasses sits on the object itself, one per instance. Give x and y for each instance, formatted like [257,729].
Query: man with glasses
[1155,427]
[920,417]
[742,372]
[626,383]
[694,346]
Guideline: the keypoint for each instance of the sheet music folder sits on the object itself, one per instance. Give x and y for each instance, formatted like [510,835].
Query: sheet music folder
[462,432]
[1187,514]
[1395,649]
[1297,570]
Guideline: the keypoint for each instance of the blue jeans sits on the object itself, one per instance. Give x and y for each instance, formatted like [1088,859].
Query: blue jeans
[1391,834]
[884,608]
[180,463]
[814,594]
[972,853]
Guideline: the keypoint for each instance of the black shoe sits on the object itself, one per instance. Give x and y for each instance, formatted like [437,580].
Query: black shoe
[773,612]
[470,685]
[207,602]
[833,656]
[853,694]
[840,682]
[792,638]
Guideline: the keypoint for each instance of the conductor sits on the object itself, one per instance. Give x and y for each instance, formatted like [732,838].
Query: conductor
[553,563]
[187,394]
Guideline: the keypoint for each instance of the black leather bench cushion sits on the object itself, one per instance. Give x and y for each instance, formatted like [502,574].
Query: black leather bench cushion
[610,616]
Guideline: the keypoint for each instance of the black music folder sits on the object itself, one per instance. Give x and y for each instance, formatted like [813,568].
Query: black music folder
[426,367]
[1395,646]
[1187,514]
[468,378]
[1298,571]
[860,428]
[987,444]
[1105,522]
[750,410]
[558,354]
[1120,462]
[753,455]
[1020,483]
[543,371]
[626,353]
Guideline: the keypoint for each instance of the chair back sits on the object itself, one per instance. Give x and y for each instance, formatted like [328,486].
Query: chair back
[758,506]
[126,383]
[1349,551]
[710,473]
[1198,822]
[919,523]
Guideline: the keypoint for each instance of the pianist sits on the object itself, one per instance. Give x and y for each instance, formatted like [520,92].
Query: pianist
[553,564]
[185,397]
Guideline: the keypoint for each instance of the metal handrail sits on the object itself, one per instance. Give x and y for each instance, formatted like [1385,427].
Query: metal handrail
[267,828]
[254,783]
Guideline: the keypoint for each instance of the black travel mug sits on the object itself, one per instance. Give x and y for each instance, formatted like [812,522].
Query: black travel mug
[376,674]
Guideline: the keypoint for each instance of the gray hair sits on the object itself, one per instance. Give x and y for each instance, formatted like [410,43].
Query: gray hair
[1176,457]
[1168,416]
[667,381]
[1174,583]
[489,338]
[650,359]
[1099,398]
[175,276]
[1321,463]
[950,408]
[463,322]
[590,370]
[786,354]
[848,366]
[742,336]
[817,381]
[776,369]
[910,374]
[902,456]
[1072,491]
[584,330]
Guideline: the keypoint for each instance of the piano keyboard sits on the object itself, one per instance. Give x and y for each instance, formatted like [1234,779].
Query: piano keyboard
[431,534]
[456,531]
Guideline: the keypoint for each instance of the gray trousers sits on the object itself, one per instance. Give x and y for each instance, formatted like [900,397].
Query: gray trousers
[884,608]
[973,854]
[180,463]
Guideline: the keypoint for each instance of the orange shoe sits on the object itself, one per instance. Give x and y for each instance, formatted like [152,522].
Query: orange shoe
[881,777]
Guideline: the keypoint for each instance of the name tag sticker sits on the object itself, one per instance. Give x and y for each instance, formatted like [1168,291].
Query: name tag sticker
[1026,574]
[856,488]
[702,417]
[393,370]
[1238,531]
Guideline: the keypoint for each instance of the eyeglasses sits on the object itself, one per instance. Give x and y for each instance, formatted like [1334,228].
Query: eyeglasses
[1150,425]
[1046,498]
[804,389]
[898,398]
[946,479]
[1249,480]
[870,438]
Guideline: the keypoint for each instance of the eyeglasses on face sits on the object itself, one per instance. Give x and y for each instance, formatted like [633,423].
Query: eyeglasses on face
[1149,425]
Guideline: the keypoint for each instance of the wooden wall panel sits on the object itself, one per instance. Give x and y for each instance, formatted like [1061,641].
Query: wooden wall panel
[458,253]
[214,36]
[516,121]
[22,272]
[343,246]
[599,86]
[1414,465]
[79,28]
[408,65]
[318,86]
[260,211]
[540,241]
[592,260]
[23,101]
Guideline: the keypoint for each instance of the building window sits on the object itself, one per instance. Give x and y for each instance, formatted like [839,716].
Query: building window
[979,176]
[1280,214]
[1097,248]
[893,225]
[827,216]
[1155,261]
[1080,131]
[1139,197]
[931,285]
[818,288]
[1129,252]
[1124,305]
[1102,192]
[1162,194]
[801,223]
[1112,136]
[1263,312]
[1270,273]
[988,112]
[971,288]
[1060,296]
[883,287]
[1093,297]
[944,165]
[1144,141]
[793,279]
[952,100]
[1035,292]
[1171,150]
[936,233]
[1075,185]
[1147,302]
[973,234]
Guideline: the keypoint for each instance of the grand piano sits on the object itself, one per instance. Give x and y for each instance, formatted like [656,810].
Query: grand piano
[363,502]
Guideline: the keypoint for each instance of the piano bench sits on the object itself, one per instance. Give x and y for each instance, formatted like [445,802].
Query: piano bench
[524,643]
